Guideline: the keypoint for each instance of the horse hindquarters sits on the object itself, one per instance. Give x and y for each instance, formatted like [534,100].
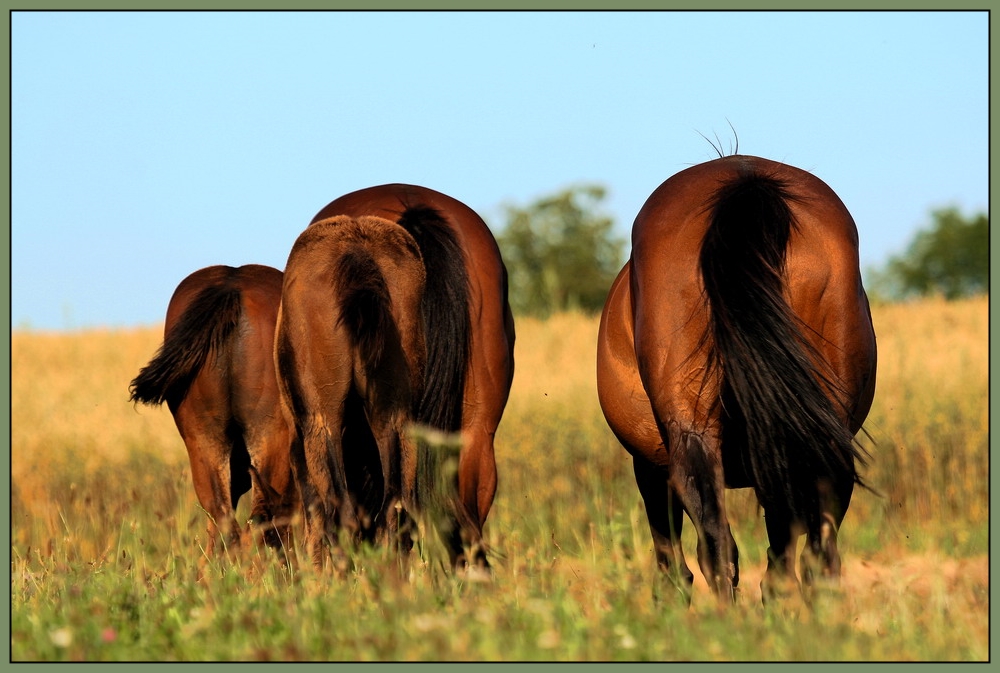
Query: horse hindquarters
[344,344]
[782,392]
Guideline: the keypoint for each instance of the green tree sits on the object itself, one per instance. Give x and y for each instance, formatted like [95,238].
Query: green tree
[560,252]
[950,258]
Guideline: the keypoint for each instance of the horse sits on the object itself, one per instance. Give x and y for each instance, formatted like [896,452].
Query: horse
[736,350]
[471,326]
[215,371]
[350,351]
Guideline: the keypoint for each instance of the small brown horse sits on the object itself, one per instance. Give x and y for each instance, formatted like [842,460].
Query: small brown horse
[474,321]
[736,350]
[215,371]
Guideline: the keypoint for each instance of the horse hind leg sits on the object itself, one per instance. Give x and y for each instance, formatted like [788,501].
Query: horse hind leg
[779,581]
[476,485]
[273,496]
[210,471]
[666,518]
[270,514]
[328,506]
[346,516]
[314,511]
[396,508]
[697,477]
[820,558]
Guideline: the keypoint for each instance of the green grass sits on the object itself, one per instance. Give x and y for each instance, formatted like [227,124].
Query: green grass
[134,607]
[106,532]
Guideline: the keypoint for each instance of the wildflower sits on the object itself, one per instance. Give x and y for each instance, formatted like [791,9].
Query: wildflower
[62,638]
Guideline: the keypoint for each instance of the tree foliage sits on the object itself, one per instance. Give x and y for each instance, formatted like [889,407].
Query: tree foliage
[949,258]
[560,252]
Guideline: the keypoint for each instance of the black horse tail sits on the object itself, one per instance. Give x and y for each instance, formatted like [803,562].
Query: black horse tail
[445,316]
[365,303]
[772,392]
[204,327]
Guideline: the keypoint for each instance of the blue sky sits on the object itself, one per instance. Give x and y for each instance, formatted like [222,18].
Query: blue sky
[147,145]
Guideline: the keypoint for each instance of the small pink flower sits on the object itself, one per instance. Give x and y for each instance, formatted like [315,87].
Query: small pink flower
[108,635]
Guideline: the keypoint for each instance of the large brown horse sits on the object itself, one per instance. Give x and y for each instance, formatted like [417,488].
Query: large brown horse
[736,350]
[215,371]
[473,319]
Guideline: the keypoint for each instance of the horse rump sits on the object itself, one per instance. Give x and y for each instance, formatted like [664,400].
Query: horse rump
[202,328]
[793,437]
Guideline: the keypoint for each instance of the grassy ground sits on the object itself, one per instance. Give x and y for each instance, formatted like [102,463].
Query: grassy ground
[106,532]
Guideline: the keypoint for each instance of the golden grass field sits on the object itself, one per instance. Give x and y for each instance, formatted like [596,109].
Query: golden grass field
[101,501]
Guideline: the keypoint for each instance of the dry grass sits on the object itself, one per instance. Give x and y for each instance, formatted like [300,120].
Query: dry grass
[930,420]
[105,528]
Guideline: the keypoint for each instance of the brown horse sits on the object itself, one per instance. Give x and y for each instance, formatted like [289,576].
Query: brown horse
[350,353]
[736,350]
[215,371]
[475,320]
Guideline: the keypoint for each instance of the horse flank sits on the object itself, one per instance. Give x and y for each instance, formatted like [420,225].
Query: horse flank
[771,389]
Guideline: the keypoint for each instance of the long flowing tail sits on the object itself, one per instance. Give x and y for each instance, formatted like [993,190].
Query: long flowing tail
[203,327]
[771,389]
[446,318]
